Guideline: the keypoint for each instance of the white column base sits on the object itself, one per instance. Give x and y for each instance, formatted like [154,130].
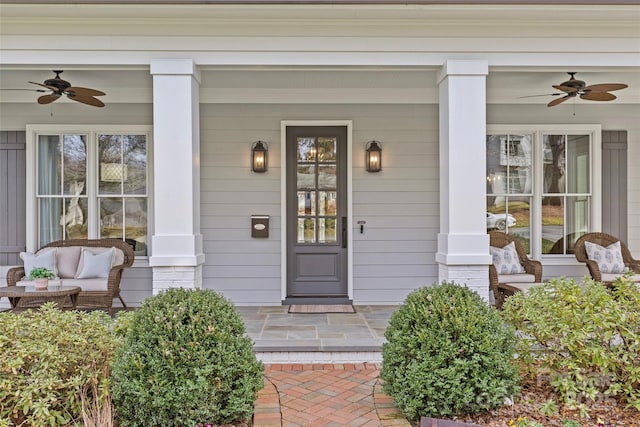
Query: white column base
[474,277]
[189,277]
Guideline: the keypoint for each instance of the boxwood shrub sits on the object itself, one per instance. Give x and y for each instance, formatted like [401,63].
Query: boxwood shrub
[185,360]
[49,361]
[448,353]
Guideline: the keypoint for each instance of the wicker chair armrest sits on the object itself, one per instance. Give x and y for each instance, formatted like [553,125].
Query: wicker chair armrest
[533,266]
[14,275]
[115,274]
[594,270]
[635,267]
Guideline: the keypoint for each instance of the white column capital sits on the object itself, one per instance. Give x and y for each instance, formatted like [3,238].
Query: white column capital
[175,67]
[463,67]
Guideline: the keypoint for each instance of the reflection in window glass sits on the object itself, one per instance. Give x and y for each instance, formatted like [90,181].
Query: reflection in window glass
[306,203]
[327,203]
[306,177]
[510,185]
[306,230]
[327,230]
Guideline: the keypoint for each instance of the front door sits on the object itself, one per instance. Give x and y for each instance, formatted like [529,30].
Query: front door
[316,213]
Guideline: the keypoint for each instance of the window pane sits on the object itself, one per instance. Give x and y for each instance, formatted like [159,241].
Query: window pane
[49,165]
[554,163]
[306,230]
[326,230]
[74,164]
[496,165]
[111,217]
[518,152]
[552,223]
[578,164]
[306,176]
[136,223]
[327,177]
[49,214]
[306,203]
[306,149]
[135,164]
[327,149]
[520,210]
[327,204]
[112,171]
[75,218]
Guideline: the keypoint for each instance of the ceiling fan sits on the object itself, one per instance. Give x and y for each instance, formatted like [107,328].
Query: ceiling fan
[59,87]
[573,88]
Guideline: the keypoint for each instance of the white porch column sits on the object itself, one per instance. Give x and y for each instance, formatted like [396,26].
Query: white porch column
[177,255]
[463,244]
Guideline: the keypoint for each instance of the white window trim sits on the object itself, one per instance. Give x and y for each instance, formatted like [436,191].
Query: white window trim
[32,132]
[595,131]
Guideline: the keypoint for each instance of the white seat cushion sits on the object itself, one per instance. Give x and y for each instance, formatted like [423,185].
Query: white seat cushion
[87,284]
[516,278]
[609,277]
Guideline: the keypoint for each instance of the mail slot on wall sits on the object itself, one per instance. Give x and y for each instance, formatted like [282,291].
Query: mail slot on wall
[259,225]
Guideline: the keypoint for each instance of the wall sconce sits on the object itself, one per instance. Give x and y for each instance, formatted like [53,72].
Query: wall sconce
[259,156]
[373,156]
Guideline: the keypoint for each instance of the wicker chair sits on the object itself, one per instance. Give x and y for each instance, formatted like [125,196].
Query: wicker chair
[90,299]
[605,240]
[533,268]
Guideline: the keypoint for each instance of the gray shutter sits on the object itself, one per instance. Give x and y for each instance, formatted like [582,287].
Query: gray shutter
[614,183]
[12,196]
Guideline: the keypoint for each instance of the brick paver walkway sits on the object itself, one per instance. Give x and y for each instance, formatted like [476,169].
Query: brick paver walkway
[315,395]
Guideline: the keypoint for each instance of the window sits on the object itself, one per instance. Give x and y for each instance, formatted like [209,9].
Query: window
[540,186]
[89,184]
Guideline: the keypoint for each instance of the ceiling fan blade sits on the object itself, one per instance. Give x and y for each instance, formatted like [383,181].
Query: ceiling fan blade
[30,90]
[598,96]
[567,89]
[83,91]
[89,100]
[48,99]
[54,89]
[605,87]
[545,94]
[558,101]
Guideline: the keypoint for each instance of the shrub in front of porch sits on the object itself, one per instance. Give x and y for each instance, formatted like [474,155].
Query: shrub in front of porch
[54,367]
[583,339]
[185,361]
[448,353]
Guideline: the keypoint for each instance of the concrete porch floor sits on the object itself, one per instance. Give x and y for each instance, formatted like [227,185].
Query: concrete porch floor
[280,337]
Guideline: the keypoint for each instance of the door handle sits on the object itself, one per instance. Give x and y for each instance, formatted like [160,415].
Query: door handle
[344,232]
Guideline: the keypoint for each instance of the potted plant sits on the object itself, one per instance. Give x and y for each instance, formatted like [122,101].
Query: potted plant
[41,276]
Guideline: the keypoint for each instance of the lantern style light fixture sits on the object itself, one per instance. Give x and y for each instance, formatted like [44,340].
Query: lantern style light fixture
[373,156]
[259,156]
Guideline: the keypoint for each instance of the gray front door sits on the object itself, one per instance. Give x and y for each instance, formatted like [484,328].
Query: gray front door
[316,212]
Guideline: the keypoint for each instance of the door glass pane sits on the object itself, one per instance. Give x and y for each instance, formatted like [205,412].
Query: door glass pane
[306,230]
[306,176]
[326,149]
[327,205]
[306,149]
[554,163]
[327,177]
[306,203]
[326,230]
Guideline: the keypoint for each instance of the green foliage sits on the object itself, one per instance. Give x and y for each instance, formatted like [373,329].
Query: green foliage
[448,353]
[185,361]
[47,358]
[586,338]
[41,273]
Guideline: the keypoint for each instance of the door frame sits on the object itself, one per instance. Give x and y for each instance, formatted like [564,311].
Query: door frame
[283,197]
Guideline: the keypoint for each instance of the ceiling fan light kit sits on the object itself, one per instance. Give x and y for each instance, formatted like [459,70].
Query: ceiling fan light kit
[59,87]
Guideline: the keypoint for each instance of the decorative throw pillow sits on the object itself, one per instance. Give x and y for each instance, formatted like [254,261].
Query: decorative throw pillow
[609,259]
[45,258]
[506,259]
[94,265]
